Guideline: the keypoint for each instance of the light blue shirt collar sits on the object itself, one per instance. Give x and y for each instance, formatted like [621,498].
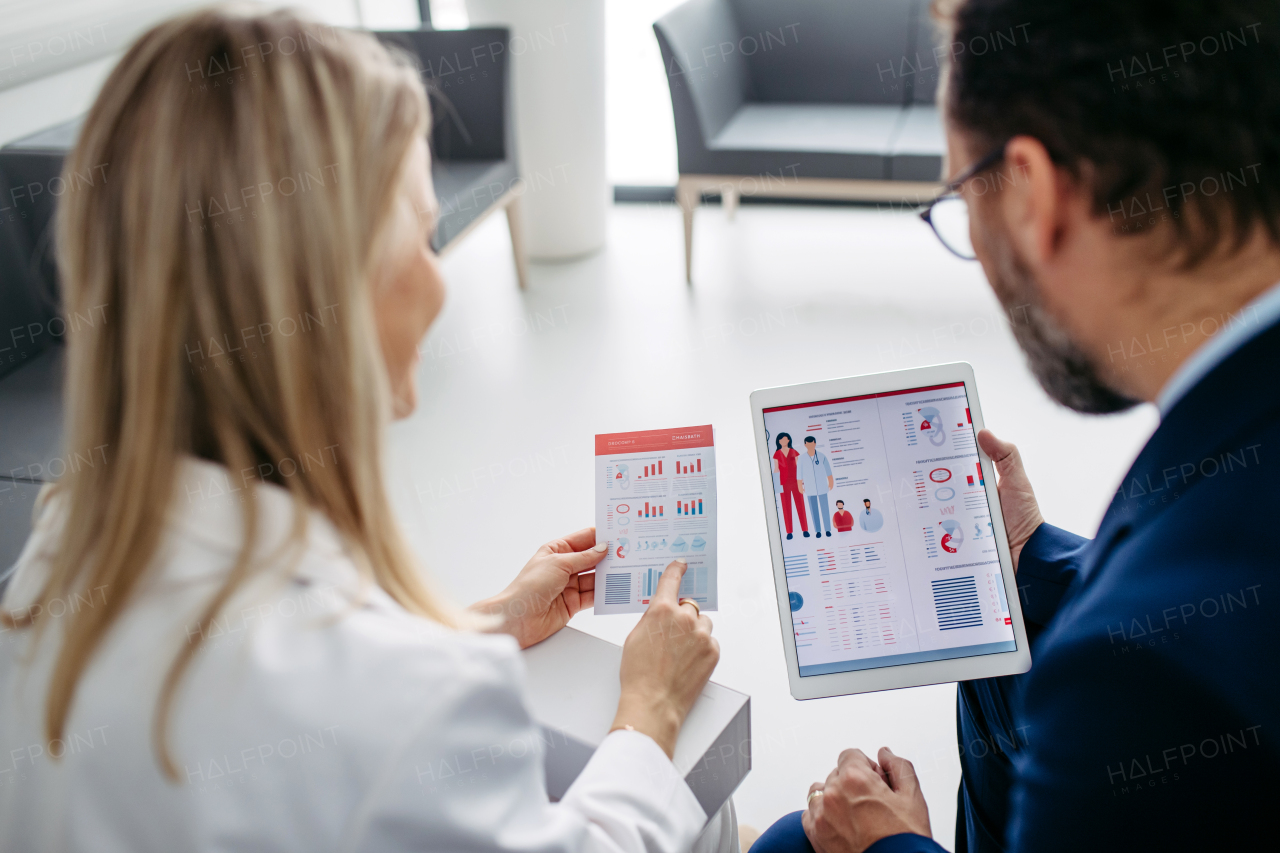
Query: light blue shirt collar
[1236,332]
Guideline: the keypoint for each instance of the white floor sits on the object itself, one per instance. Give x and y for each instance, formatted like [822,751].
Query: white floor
[514,385]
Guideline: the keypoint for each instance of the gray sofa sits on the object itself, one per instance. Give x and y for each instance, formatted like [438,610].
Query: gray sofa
[803,99]
[475,173]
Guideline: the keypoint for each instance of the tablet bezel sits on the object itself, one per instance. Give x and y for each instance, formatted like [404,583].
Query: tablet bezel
[900,675]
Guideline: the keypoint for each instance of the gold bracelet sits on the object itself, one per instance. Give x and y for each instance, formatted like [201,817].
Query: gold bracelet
[626,726]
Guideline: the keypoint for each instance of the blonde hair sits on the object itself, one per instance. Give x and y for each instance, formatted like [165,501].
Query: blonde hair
[221,109]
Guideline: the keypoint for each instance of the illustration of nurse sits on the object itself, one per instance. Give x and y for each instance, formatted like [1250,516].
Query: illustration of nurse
[784,465]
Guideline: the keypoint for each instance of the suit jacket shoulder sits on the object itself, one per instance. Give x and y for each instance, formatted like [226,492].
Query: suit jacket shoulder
[1152,709]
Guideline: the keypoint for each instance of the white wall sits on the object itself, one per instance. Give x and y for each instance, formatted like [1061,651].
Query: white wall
[640,130]
[41,85]
[640,127]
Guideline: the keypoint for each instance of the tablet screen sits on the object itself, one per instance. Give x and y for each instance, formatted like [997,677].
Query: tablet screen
[886,531]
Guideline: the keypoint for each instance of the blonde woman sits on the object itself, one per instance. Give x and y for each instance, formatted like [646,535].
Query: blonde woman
[219,640]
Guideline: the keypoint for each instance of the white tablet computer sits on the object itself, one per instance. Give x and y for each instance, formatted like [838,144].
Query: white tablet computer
[889,552]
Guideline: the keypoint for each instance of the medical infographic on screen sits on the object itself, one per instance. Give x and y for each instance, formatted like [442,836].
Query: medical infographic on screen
[886,531]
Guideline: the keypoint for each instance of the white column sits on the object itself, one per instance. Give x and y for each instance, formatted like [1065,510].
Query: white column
[557,81]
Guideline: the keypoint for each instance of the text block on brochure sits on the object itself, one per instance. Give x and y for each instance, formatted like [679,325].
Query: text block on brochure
[655,502]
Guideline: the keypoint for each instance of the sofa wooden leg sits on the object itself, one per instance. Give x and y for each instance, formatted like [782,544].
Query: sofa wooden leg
[729,198]
[687,196]
[516,226]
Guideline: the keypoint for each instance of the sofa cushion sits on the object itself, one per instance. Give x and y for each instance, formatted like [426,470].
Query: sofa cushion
[918,146]
[833,128]
[849,141]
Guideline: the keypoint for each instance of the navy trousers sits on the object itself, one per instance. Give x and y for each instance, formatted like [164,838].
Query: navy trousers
[988,735]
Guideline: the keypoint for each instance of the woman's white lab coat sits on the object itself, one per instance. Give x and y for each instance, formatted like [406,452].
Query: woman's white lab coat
[314,717]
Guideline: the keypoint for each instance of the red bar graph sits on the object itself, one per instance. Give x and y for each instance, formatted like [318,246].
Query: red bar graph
[981,482]
[659,466]
[699,464]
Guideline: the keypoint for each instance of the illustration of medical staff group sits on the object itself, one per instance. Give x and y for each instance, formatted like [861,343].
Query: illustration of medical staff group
[801,474]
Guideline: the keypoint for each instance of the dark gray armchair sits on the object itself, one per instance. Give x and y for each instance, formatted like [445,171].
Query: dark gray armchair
[474,164]
[475,173]
[802,99]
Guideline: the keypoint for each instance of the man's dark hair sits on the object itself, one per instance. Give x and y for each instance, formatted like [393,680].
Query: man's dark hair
[1166,107]
[866,500]
[839,502]
[808,439]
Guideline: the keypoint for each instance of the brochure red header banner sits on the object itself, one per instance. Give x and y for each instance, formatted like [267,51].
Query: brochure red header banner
[654,439]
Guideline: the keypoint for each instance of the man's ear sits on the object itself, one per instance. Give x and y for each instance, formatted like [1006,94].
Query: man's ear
[1035,196]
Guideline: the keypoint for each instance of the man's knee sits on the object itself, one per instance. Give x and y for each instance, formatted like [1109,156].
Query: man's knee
[785,836]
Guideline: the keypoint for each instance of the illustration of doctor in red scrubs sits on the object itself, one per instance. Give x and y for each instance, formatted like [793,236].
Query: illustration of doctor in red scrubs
[784,467]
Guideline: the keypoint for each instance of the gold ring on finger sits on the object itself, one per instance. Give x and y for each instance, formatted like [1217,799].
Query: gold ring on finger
[694,603]
[812,795]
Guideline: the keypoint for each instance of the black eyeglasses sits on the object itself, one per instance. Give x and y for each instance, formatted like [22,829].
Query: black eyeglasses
[948,214]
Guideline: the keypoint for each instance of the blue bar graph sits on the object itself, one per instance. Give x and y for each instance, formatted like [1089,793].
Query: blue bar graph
[956,603]
[651,582]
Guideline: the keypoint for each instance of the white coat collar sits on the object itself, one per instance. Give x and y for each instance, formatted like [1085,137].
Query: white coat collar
[207,507]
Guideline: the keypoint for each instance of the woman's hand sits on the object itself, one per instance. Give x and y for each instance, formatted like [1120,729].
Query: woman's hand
[666,661]
[552,586]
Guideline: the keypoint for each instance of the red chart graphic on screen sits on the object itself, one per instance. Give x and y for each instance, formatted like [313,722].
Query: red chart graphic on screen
[952,536]
[940,475]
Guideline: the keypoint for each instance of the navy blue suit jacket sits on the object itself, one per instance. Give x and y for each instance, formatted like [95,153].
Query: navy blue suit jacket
[1150,719]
